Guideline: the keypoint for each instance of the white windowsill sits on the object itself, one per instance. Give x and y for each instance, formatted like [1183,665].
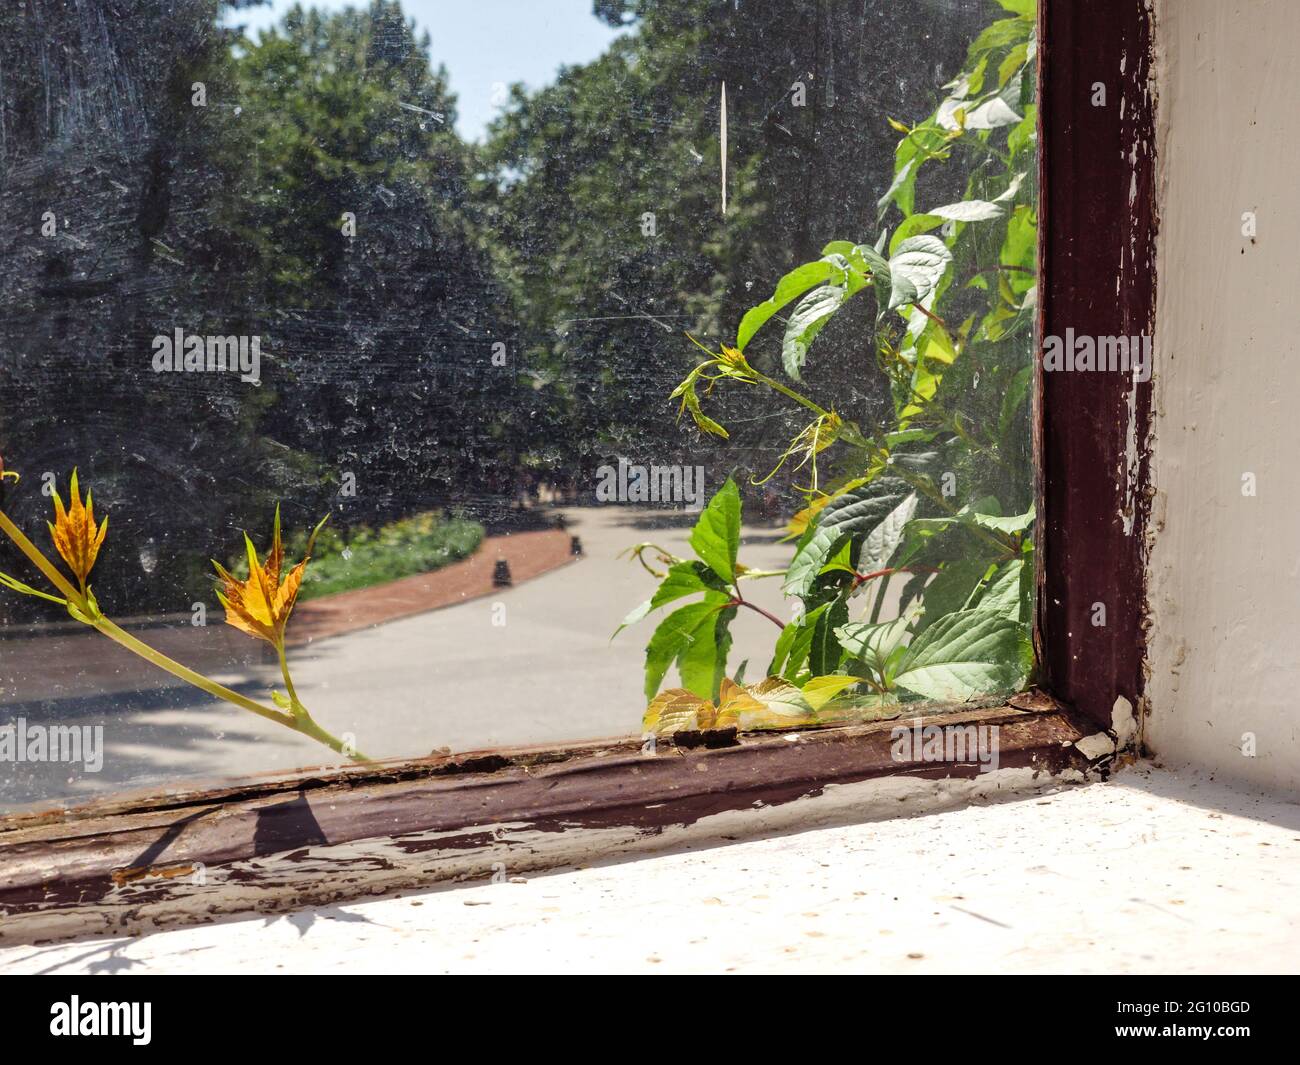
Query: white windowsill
[1155,871]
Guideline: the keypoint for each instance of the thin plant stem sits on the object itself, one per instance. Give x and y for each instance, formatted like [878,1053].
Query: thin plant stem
[302,719]
[302,723]
[37,557]
[120,636]
[862,578]
[288,680]
[790,393]
[932,316]
[739,600]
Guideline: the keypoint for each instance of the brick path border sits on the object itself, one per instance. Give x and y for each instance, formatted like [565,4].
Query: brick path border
[528,554]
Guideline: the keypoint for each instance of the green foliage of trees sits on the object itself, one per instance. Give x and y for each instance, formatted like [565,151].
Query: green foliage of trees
[571,173]
[228,218]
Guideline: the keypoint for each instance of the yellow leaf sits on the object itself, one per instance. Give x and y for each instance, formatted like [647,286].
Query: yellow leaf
[780,705]
[733,701]
[261,605]
[799,523]
[821,690]
[673,710]
[75,533]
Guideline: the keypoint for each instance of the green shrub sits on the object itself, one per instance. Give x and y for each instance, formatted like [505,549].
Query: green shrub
[362,556]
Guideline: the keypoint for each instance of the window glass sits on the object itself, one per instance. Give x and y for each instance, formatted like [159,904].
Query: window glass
[407,377]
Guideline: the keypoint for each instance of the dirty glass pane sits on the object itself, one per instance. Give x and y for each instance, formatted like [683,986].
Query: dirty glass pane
[510,316]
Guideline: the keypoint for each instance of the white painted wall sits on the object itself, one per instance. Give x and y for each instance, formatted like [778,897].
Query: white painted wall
[1225,567]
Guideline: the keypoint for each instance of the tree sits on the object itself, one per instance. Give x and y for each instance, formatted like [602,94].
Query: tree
[604,194]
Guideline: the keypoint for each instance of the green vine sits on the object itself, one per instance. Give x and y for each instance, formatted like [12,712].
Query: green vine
[939,493]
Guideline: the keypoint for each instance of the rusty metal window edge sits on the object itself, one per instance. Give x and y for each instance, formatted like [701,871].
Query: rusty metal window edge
[123,864]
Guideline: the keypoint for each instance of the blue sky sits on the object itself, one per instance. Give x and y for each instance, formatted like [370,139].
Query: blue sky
[483,42]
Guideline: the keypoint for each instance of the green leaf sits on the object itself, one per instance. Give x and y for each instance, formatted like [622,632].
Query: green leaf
[903,189]
[873,643]
[676,633]
[1008,195]
[933,346]
[1020,248]
[819,691]
[1012,524]
[924,142]
[703,661]
[1015,395]
[878,268]
[877,706]
[783,705]
[801,645]
[808,319]
[716,536]
[921,532]
[916,269]
[683,579]
[909,436]
[875,262]
[1007,31]
[1008,593]
[1025,133]
[14,584]
[991,114]
[1028,593]
[841,559]
[951,589]
[824,652]
[856,512]
[964,655]
[1024,8]
[968,211]
[790,287]
[1015,59]
[783,644]
[1021,244]
[881,542]
[702,420]
[912,226]
[919,535]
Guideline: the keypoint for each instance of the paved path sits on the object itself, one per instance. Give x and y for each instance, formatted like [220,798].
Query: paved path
[532,664]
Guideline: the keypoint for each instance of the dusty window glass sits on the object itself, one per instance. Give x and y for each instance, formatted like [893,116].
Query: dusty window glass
[406,348]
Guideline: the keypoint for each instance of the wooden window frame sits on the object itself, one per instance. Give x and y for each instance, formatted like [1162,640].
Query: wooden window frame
[127,864]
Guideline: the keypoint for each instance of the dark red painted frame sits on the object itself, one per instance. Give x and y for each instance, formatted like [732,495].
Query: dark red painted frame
[1097,230]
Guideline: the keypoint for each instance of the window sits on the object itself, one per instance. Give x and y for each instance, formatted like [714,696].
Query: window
[309,286]
[745,293]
